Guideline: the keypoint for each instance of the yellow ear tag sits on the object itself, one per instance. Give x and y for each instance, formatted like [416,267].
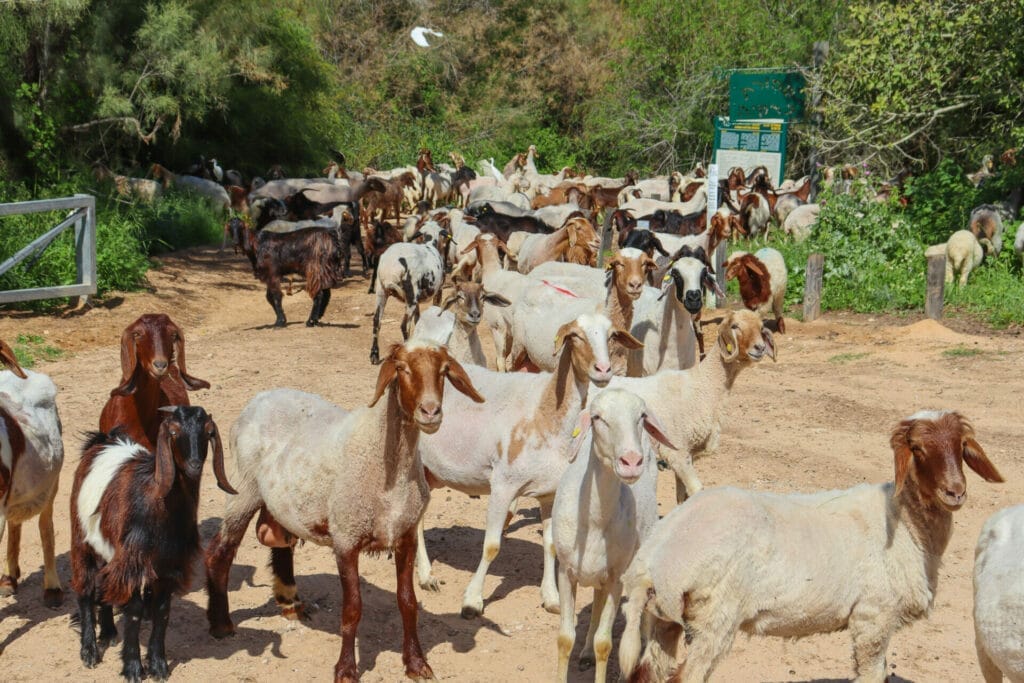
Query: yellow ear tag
[575,432]
[556,340]
[666,278]
[728,347]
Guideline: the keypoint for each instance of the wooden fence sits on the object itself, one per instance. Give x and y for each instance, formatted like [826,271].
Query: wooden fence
[82,217]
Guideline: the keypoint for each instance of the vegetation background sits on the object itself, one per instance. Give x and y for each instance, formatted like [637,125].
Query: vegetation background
[606,86]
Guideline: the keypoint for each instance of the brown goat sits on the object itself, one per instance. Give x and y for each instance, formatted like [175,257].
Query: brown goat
[753,278]
[385,195]
[153,375]
[986,223]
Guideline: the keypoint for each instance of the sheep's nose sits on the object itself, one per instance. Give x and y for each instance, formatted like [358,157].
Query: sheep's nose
[631,460]
[602,368]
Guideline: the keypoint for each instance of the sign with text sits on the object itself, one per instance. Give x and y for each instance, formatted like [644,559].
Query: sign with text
[749,144]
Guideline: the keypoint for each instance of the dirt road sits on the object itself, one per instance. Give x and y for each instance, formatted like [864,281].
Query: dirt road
[819,418]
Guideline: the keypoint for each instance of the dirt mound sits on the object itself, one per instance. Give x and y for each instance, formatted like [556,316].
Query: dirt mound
[929,330]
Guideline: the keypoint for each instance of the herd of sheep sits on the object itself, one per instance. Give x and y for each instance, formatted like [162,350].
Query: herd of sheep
[616,382]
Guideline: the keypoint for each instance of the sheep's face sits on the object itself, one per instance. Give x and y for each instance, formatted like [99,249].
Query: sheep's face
[418,370]
[690,275]
[587,340]
[629,270]
[618,419]
[742,338]
[469,299]
[930,449]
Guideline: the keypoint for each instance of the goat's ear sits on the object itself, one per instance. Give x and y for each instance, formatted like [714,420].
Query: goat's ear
[218,461]
[729,345]
[387,375]
[654,427]
[564,333]
[163,469]
[769,341]
[612,262]
[579,434]
[495,299]
[191,382]
[902,453]
[648,263]
[452,299]
[469,247]
[974,456]
[626,339]
[755,266]
[129,359]
[460,380]
[711,282]
[8,358]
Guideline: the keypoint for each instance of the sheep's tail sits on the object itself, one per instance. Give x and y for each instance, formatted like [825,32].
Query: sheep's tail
[638,591]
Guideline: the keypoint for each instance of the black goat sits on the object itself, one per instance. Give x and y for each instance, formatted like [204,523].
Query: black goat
[674,223]
[301,207]
[134,536]
[646,241]
[624,223]
[502,226]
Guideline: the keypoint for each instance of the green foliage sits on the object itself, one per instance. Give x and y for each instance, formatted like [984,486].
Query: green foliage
[847,357]
[940,201]
[29,348]
[961,352]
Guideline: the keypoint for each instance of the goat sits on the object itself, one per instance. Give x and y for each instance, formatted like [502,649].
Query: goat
[987,223]
[762,278]
[134,532]
[385,194]
[502,226]
[864,559]
[411,273]
[31,456]
[303,458]
[153,374]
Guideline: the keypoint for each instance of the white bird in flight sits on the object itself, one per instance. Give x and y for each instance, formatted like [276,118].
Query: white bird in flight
[419,35]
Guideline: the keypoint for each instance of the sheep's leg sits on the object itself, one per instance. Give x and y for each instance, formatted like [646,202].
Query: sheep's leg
[548,586]
[989,671]
[687,481]
[9,579]
[286,595]
[596,609]
[131,656]
[274,299]
[345,671]
[426,579]
[156,656]
[107,629]
[500,348]
[603,634]
[416,666]
[53,595]
[567,625]
[497,507]
[949,271]
[220,553]
[382,299]
[871,635]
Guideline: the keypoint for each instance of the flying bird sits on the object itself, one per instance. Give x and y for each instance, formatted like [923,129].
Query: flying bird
[419,35]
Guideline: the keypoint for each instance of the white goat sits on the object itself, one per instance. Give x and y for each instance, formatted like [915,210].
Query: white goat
[605,505]
[801,221]
[411,273]
[515,445]
[964,253]
[999,596]
[864,559]
[458,330]
[31,455]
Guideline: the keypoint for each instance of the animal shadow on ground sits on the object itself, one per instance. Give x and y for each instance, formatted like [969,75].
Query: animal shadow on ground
[27,603]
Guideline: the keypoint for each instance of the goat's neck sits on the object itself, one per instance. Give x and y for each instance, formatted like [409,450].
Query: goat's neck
[619,306]
[715,374]
[399,456]
[465,344]
[564,395]
[490,263]
[605,490]
[676,322]
[929,524]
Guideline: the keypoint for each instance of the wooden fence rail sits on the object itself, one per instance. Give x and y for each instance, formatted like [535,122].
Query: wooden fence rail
[82,217]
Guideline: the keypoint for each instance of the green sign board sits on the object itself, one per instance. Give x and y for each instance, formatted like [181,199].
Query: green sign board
[748,144]
[757,94]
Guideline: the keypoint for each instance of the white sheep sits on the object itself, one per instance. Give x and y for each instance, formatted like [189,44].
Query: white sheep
[692,402]
[348,480]
[457,328]
[964,253]
[515,444]
[605,505]
[411,273]
[999,596]
[864,559]
[762,278]
[31,455]
[801,221]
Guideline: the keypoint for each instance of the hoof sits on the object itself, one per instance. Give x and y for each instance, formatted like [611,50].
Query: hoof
[470,612]
[420,673]
[53,597]
[586,662]
[157,668]
[8,585]
[294,612]
[374,359]
[430,584]
[222,630]
[105,639]
[312,323]
[279,323]
[90,655]
[132,671]
[551,607]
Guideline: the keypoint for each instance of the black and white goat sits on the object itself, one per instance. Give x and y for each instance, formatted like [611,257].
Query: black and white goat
[134,532]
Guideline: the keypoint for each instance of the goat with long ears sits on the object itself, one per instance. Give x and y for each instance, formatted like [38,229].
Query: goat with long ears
[153,374]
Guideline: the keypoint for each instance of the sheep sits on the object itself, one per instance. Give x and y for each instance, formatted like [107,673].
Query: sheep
[31,455]
[762,278]
[134,532]
[755,212]
[999,596]
[605,505]
[314,253]
[303,458]
[698,396]
[643,207]
[1018,243]
[666,320]
[801,220]
[216,195]
[986,222]
[864,559]
[153,374]
[495,279]
[575,242]
[458,330]
[964,253]
[515,445]
[411,273]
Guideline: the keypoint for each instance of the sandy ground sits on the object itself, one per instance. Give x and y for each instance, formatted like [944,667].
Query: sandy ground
[817,419]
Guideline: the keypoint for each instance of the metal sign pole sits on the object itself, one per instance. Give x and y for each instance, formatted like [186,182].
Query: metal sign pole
[712,208]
